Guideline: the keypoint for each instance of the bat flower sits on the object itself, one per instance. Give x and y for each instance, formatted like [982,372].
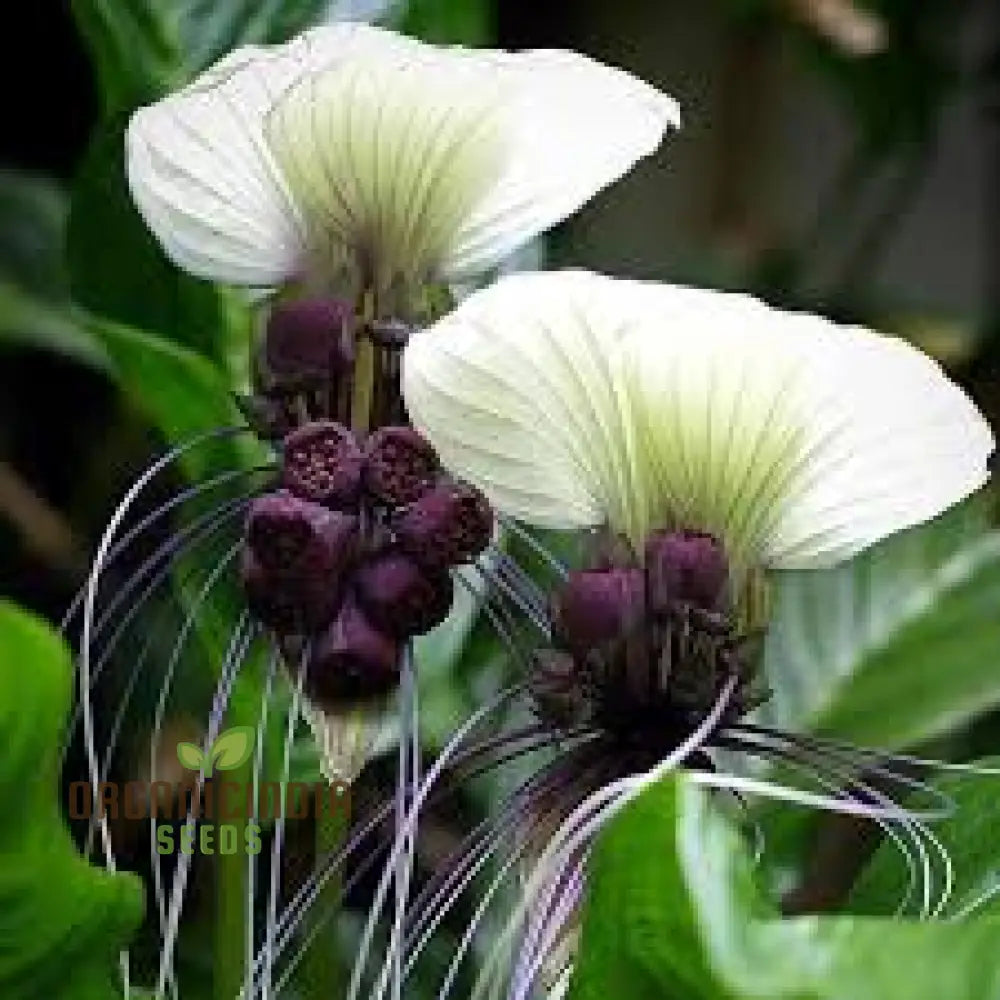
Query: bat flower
[354,159]
[696,440]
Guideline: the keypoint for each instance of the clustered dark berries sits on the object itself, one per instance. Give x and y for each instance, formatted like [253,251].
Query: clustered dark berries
[353,553]
[643,652]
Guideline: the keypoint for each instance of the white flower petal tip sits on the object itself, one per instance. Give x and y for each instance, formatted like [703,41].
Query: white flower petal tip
[352,146]
[574,399]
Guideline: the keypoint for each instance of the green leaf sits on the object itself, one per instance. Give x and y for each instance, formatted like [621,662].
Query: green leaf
[969,835]
[181,392]
[62,920]
[896,646]
[673,911]
[450,22]
[190,756]
[233,747]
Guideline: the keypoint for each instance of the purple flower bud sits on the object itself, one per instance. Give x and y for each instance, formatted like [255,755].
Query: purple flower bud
[402,465]
[448,525]
[686,566]
[401,598]
[272,599]
[352,659]
[308,340]
[299,555]
[324,463]
[595,607]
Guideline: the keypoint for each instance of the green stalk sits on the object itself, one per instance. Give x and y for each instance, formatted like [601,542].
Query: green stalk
[231,914]
[323,973]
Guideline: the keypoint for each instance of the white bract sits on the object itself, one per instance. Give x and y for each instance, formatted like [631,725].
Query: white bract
[355,154]
[574,399]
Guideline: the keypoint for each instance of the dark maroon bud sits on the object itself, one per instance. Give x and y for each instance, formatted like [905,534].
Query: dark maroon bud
[272,600]
[688,567]
[308,340]
[301,556]
[324,463]
[400,597]
[598,606]
[402,466]
[449,525]
[352,659]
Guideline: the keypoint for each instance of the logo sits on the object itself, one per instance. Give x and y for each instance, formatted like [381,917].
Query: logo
[217,815]
[230,750]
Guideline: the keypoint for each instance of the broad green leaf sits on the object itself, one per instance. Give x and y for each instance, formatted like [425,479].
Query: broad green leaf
[673,911]
[233,747]
[63,921]
[452,22]
[181,393]
[29,321]
[190,756]
[117,268]
[896,646]
[969,835]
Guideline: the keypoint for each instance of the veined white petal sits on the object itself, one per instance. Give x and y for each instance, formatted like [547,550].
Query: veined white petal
[387,157]
[575,399]
[574,127]
[354,146]
[520,392]
[797,441]
[202,175]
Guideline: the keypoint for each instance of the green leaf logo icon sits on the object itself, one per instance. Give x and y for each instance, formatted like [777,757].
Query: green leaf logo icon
[231,750]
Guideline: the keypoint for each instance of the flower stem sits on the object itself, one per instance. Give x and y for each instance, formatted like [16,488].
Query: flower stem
[324,974]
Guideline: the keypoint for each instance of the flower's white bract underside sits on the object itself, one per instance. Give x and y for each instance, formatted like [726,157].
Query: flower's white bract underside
[355,147]
[575,399]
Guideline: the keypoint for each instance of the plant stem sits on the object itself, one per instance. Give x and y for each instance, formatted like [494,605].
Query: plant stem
[323,972]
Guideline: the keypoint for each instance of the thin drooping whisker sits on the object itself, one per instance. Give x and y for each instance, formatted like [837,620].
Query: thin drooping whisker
[593,813]
[543,940]
[871,764]
[522,581]
[277,843]
[987,894]
[241,639]
[158,565]
[410,826]
[178,500]
[555,564]
[890,757]
[121,628]
[327,867]
[213,577]
[500,586]
[799,760]
[844,766]
[500,620]
[440,894]
[273,664]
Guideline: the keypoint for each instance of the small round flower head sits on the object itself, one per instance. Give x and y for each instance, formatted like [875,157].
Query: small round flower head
[324,463]
[686,566]
[596,607]
[307,341]
[401,466]
[299,555]
[402,598]
[449,525]
[351,659]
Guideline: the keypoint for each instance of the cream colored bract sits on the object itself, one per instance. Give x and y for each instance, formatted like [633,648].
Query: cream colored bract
[355,155]
[575,399]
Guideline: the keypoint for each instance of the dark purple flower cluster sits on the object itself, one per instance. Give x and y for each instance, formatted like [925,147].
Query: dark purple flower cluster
[351,557]
[653,642]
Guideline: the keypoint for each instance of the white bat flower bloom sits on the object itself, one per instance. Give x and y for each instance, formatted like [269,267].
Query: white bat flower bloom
[574,399]
[355,154]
